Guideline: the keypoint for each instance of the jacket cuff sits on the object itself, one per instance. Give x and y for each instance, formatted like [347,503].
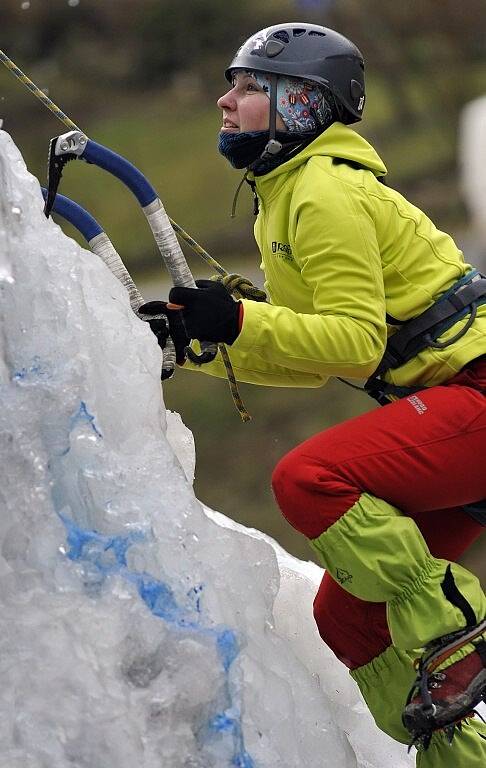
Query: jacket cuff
[251,315]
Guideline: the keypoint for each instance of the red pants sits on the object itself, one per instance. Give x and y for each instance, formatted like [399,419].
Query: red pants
[425,455]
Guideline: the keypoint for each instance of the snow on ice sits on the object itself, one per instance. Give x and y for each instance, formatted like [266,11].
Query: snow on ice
[136,628]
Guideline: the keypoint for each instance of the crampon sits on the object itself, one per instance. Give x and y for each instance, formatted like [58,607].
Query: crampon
[442,698]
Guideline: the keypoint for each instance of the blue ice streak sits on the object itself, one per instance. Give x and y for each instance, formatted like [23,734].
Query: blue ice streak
[109,555]
[82,414]
[227,644]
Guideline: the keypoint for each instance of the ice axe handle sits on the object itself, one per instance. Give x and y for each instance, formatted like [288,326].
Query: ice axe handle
[102,246]
[158,221]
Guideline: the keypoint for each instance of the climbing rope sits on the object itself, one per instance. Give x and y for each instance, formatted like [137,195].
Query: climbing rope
[243,288]
[236,284]
[37,92]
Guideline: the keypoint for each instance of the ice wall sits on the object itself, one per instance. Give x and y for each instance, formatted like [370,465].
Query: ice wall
[135,628]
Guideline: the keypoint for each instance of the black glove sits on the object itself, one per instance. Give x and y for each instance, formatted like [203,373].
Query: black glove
[175,329]
[209,312]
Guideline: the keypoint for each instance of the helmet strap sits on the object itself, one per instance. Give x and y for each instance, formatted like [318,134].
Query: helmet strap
[273,147]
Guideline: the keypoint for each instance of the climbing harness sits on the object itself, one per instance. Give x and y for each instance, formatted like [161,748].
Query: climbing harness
[418,333]
[423,331]
[425,712]
[162,226]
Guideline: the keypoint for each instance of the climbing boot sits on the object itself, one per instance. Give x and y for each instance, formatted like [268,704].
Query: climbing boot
[450,683]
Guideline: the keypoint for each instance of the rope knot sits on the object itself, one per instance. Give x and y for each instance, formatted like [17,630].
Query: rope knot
[242,287]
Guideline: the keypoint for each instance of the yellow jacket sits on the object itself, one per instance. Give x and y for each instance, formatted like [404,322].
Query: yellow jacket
[340,251]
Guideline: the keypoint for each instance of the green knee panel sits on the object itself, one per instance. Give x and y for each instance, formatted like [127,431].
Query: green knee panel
[385,683]
[378,554]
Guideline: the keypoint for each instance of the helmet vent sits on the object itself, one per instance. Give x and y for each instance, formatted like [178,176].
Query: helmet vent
[298,32]
[282,35]
[356,89]
[314,32]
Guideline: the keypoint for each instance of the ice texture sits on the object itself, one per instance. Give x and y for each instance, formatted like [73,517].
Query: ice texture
[137,630]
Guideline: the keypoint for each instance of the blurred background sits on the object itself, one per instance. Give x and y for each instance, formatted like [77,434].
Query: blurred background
[143,76]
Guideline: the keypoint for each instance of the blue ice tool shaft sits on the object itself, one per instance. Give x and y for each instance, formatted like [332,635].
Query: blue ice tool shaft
[76,144]
[121,168]
[101,245]
[76,215]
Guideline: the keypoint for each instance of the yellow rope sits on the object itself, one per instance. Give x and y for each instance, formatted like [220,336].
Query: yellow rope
[37,92]
[242,287]
[235,393]
[198,248]
[236,283]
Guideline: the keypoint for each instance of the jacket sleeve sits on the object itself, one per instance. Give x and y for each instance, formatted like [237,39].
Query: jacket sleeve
[333,239]
[253,368]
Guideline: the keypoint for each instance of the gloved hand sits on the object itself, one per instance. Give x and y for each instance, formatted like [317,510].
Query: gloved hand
[175,328]
[209,312]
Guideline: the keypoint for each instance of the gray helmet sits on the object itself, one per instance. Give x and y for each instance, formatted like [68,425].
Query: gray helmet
[310,52]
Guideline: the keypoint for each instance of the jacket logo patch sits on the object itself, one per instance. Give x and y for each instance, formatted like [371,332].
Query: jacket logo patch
[283,250]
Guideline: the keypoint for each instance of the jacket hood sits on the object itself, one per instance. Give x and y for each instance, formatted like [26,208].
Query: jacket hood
[336,141]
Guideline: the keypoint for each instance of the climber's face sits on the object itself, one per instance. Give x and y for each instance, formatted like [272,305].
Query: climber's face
[246,106]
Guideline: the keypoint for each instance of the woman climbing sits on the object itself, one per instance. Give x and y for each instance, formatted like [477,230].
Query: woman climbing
[361,284]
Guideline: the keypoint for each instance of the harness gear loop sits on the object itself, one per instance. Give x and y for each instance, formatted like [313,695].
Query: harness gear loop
[419,333]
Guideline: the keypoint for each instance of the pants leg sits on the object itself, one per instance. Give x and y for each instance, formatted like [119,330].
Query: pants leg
[356,630]
[357,489]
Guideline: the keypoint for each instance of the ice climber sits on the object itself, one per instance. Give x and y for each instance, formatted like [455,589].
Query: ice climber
[361,284]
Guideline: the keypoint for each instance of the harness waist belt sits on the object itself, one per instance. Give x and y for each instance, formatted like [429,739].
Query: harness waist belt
[423,331]
[417,333]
